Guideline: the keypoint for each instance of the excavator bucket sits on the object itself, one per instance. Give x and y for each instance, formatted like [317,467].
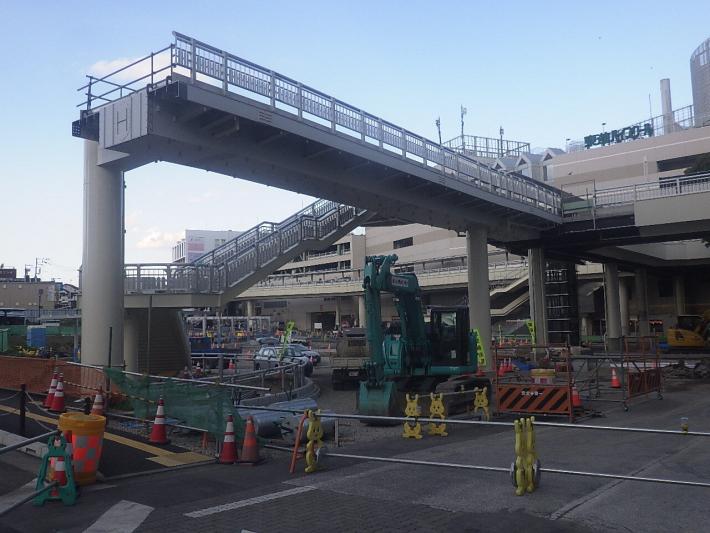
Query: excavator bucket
[377,401]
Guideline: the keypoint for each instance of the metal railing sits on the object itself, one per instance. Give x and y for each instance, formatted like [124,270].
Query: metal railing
[596,201]
[487,147]
[423,269]
[202,62]
[236,259]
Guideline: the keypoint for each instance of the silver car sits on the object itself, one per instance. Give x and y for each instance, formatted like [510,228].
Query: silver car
[270,357]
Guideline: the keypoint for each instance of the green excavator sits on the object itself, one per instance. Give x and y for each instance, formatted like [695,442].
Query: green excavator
[414,357]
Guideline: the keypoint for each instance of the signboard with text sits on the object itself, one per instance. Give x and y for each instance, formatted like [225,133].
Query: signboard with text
[629,133]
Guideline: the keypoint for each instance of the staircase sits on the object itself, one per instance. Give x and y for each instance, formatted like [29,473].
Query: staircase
[243,261]
[169,349]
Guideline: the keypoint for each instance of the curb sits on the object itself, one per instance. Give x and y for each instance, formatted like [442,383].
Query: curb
[36,449]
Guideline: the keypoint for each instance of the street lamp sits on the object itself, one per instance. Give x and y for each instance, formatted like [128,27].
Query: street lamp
[438,127]
[603,127]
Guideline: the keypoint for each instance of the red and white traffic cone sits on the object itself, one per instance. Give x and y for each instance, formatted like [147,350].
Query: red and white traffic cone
[60,476]
[157,434]
[576,400]
[228,455]
[615,383]
[58,400]
[231,364]
[98,407]
[250,449]
[52,389]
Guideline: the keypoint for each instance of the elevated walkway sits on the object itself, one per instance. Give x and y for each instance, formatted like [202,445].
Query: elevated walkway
[212,110]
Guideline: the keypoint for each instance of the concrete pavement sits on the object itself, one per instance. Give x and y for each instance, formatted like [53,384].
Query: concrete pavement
[367,496]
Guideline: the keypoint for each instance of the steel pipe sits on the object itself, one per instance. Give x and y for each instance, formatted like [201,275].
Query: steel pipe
[25,442]
[28,498]
[503,424]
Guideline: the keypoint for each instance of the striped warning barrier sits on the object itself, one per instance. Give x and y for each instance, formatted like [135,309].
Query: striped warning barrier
[534,399]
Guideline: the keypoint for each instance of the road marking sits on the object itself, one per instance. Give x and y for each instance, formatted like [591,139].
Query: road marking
[246,503]
[108,436]
[124,517]
[17,495]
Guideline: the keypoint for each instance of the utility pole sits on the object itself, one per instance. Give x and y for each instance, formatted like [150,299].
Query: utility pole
[39,261]
[438,128]
[500,131]
[463,113]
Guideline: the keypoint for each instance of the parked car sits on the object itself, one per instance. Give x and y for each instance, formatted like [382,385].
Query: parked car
[299,349]
[268,341]
[270,357]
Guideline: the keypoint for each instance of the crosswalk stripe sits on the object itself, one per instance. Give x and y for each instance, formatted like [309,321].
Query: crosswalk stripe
[124,517]
[250,501]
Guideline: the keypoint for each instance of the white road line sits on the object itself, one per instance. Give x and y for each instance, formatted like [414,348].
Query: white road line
[124,517]
[246,503]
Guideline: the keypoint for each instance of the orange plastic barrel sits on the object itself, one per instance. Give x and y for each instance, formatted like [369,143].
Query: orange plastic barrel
[87,440]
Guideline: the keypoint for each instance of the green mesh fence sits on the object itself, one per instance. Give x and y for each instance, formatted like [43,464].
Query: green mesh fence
[206,406]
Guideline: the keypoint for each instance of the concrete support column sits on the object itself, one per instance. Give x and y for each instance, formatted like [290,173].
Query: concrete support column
[250,308]
[131,339]
[641,295]
[361,310]
[624,306]
[679,294]
[479,296]
[102,262]
[613,310]
[337,313]
[536,290]
[586,327]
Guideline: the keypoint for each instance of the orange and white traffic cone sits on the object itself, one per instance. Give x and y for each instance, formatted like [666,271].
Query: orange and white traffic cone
[157,434]
[250,449]
[98,407]
[501,370]
[576,400]
[615,383]
[231,364]
[58,400]
[228,455]
[52,389]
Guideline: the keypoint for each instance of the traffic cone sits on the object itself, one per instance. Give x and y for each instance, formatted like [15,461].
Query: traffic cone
[250,449]
[231,364]
[157,434]
[576,400]
[52,389]
[98,407]
[228,455]
[509,368]
[615,384]
[58,399]
[501,370]
[60,476]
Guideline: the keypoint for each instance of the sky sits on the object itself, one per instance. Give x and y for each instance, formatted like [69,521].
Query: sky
[544,71]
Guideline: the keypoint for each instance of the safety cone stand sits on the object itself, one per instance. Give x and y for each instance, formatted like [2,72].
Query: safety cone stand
[52,389]
[58,400]
[615,383]
[250,449]
[98,407]
[228,454]
[63,474]
[157,434]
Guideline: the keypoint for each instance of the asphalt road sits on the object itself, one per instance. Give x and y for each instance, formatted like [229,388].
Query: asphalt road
[367,496]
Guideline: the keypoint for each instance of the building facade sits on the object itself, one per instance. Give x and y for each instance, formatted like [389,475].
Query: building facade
[198,242]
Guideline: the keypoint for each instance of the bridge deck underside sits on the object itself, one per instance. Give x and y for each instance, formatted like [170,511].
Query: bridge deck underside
[195,124]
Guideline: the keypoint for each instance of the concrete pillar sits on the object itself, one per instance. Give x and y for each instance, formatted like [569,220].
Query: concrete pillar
[479,296]
[536,290]
[361,315]
[613,311]
[641,295]
[586,326]
[250,308]
[102,262]
[131,340]
[337,313]
[624,306]
[679,294]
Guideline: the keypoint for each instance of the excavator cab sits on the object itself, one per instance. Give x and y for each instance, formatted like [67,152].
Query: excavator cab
[449,337]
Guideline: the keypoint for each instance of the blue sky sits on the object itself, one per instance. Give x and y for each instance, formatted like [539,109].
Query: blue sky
[544,71]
